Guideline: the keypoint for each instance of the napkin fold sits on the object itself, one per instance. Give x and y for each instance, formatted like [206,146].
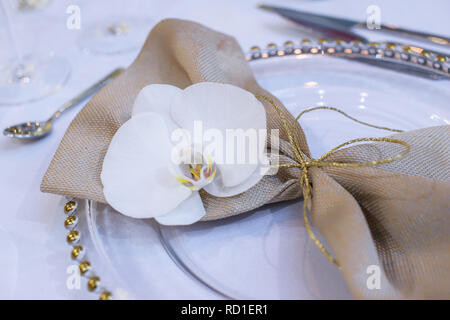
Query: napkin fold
[395,216]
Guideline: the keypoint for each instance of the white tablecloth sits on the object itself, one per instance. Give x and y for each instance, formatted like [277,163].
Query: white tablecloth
[33,253]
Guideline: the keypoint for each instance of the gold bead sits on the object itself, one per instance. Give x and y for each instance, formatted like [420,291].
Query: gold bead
[255,48]
[93,283]
[425,53]
[76,251]
[84,267]
[440,58]
[271,46]
[70,221]
[73,236]
[70,207]
[306,41]
[390,46]
[288,43]
[322,40]
[106,295]
[407,49]
[374,44]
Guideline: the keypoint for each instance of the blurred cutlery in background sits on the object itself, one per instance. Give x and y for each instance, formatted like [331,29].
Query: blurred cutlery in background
[340,28]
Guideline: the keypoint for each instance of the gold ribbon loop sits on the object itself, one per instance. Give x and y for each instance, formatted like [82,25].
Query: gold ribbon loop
[304,164]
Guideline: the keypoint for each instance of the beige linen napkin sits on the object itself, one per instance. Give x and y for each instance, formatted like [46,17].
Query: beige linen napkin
[396,216]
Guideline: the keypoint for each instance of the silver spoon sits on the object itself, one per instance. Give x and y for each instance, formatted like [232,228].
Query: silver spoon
[39,129]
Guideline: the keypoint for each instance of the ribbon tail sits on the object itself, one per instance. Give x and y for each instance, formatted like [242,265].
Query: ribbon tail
[307,203]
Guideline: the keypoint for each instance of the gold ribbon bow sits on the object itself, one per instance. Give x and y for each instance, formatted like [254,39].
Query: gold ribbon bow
[304,163]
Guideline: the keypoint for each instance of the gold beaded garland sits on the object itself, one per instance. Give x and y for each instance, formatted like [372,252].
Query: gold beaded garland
[76,252]
[390,50]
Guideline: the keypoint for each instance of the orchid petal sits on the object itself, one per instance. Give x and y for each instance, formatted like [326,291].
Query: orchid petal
[138,176]
[221,108]
[157,98]
[218,189]
[188,212]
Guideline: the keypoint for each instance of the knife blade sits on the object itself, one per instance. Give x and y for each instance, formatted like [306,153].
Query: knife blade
[332,26]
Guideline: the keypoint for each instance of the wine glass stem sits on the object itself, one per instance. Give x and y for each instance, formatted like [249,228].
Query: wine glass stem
[21,70]
[10,31]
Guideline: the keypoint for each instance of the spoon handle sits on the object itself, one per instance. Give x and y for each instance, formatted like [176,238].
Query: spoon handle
[86,92]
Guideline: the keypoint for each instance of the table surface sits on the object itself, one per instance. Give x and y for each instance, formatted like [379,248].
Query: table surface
[34,256]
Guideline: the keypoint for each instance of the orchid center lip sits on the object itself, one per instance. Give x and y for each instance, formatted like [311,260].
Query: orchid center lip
[199,175]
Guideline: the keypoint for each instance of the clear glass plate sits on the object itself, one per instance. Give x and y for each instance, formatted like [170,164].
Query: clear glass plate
[267,254]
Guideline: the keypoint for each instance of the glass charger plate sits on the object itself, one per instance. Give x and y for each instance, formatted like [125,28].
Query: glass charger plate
[266,254]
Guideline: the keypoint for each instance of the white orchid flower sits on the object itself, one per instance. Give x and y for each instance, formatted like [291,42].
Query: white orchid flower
[140,178]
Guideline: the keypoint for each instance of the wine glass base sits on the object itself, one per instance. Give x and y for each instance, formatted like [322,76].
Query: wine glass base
[32,79]
[115,36]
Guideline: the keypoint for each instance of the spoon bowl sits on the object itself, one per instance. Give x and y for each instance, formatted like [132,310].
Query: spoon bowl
[29,130]
[32,130]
